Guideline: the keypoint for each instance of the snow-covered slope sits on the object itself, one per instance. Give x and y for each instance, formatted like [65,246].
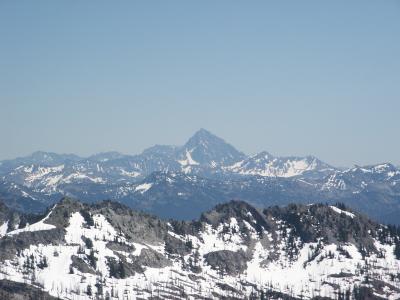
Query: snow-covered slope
[264,164]
[361,178]
[233,251]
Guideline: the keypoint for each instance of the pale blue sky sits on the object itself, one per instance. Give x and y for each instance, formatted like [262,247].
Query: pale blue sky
[289,77]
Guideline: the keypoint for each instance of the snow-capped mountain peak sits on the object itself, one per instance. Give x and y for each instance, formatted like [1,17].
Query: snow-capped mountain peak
[206,148]
[206,169]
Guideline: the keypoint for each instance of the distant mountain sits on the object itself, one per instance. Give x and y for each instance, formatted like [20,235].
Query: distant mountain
[265,164]
[38,158]
[365,178]
[206,149]
[233,251]
[185,196]
[183,181]
[106,156]
[203,154]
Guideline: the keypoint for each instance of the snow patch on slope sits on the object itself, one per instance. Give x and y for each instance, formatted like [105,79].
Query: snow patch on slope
[189,161]
[35,227]
[264,164]
[144,187]
[3,229]
[340,211]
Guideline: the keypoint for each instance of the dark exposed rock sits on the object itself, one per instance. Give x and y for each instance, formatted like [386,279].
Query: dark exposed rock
[137,226]
[120,268]
[120,247]
[195,277]
[81,265]
[151,258]
[11,290]
[227,287]
[240,210]
[63,210]
[227,262]
[311,222]
[175,246]
[341,275]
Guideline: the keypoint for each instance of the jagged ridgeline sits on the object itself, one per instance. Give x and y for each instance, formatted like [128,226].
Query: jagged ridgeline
[181,182]
[234,251]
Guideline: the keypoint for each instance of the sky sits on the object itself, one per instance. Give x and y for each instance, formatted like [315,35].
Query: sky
[289,77]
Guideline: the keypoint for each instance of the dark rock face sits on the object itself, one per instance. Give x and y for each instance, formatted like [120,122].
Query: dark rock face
[81,265]
[311,223]
[175,246]
[120,269]
[227,262]
[152,259]
[63,210]
[236,209]
[4,213]
[135,225]
[120,247]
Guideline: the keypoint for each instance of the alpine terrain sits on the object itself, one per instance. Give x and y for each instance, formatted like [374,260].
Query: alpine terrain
[234,251]
[183,181]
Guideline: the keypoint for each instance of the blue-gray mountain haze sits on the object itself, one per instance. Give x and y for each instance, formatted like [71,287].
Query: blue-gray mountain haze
[183,181]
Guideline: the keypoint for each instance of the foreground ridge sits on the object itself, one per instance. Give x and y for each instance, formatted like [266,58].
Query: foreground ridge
[234,251]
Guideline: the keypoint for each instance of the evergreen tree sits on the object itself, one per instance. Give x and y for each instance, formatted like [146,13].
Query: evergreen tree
[92,259]
[88,243]
[43,263]
[121,269]
[99,287]
[89,290]
[397,249]
[87,217]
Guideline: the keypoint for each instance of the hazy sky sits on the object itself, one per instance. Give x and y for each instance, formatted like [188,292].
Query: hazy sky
[289,77]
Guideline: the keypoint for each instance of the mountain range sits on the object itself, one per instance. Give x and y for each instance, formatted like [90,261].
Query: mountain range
[233,251]
[183,181]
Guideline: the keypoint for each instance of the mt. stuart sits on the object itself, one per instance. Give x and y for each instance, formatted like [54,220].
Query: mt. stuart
[183,181]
